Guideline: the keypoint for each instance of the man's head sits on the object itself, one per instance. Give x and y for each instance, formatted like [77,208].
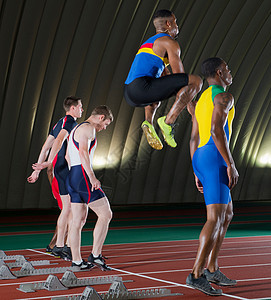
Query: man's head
[215,68]
[165,21]
[103,116]
[73,106]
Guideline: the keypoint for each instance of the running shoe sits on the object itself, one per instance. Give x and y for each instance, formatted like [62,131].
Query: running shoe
[203,285]
[83,265]
[57,251]
[99,262]
[167,131]
[152,137]
[219,278]
[67,253]
[48,249]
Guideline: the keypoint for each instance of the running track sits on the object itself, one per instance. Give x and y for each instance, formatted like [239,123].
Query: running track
[162,265]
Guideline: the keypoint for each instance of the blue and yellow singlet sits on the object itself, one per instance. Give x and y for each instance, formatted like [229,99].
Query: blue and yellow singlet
[208,164]
[146,62]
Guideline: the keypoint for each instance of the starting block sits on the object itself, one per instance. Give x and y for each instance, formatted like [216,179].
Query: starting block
[89,293]
[20,263]
[28,270]
[68,280]
[118,291]
[3,256]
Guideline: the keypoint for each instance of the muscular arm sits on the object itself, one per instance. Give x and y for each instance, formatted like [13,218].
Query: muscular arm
[42,157]
[174,52]
[83,134]
[194,139]
[222,104]
[58,142]
[167,46]
[194,142]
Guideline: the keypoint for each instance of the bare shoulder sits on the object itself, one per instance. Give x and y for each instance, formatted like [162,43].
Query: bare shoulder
[86,129]
[224,99]
[168,41]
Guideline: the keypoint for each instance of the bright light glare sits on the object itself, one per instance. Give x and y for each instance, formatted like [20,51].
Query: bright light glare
[100,162]
[265,160]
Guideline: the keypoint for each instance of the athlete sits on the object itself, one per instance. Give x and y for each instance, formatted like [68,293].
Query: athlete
[149,80]
[57,142]
[215,172]
[85,188]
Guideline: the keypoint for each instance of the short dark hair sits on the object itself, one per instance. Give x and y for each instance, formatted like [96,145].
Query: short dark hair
[163,13]
[103,110]
[70,101]
[210,66]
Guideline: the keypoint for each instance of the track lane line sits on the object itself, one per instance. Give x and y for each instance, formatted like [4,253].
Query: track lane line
[40,252]
[160,272]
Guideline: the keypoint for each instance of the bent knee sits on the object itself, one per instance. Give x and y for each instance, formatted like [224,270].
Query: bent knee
[108,215]
[196,81]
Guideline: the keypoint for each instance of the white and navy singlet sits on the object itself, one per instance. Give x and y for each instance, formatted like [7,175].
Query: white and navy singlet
[78,184]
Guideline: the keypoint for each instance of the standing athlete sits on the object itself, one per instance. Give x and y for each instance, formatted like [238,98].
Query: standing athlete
[85,189]
[149,80]
[57,142]
[215,172]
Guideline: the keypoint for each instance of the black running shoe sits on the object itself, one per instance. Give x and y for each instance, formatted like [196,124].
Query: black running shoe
[203,285]
[66,253]
[99,262]
[57,251]
[48,249]
[83,265]
[219,278]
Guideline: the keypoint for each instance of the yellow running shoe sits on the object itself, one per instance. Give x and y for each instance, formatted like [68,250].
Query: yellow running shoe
[167,131]
[151,135]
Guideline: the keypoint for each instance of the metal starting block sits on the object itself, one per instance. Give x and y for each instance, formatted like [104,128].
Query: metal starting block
[28,270]
[118,291]
[19,263]
[68,280]
[3,256]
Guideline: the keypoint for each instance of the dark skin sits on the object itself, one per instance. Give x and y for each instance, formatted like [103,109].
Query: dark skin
[167,47]
[218,215]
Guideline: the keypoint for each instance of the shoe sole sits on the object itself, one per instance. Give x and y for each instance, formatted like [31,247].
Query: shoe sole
[203,291]
[153,142]
[221,284]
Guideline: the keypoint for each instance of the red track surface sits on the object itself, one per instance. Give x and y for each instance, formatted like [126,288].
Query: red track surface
[162,265]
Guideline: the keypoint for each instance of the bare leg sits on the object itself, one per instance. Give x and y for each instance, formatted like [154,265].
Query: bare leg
[79,213]
[53,240]
[62,222]
[103,211]
[212,264]
[183,97]
[150,111]
[208,236]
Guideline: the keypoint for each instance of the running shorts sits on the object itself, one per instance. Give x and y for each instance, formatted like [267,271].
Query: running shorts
[144,91]
[79,186]
[211,169]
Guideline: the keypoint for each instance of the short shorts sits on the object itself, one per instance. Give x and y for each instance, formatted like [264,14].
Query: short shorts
[144,91]
[79,186]
[211,169]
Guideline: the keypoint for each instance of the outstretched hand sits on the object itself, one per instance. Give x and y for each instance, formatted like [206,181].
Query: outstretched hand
[33,177]
[41,166]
